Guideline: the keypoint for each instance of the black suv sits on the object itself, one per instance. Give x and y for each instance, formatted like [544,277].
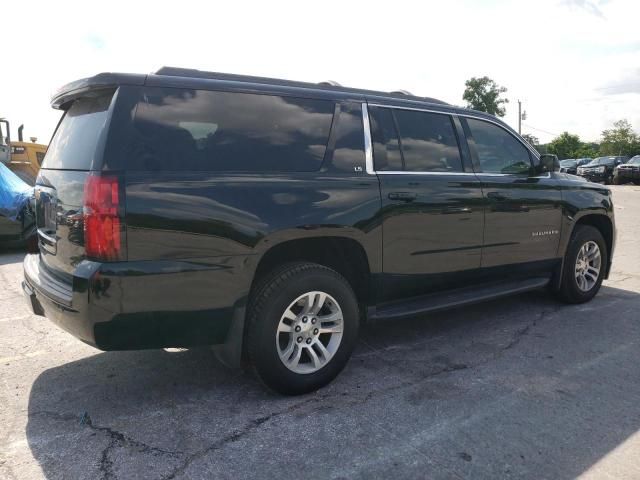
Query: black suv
[601,169]
[270,218]
[570,165]
[627,172]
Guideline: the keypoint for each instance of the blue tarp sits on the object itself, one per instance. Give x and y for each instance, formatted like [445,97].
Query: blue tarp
[14,193]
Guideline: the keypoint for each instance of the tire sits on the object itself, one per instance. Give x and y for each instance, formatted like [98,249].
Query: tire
[572,288]
[280,302]
[616,181]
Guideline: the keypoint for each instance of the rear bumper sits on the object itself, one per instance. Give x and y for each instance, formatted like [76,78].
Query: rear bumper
[137,305]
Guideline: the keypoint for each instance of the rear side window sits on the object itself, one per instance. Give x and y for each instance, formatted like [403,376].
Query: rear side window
[386,147]
[428,142]
[348,152]
[74,145]
[198,130]
[498,151]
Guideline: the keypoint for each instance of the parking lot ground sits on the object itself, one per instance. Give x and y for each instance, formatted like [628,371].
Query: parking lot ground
[523,387]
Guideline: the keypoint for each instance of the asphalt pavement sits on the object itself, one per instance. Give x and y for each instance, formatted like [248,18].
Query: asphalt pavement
[523,387]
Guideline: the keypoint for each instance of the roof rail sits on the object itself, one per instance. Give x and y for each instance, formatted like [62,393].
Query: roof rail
[329,83]
[402,92]
[189,72]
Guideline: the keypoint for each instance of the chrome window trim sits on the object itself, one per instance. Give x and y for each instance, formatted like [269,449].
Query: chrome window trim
[368,145]
[466,115]
[405,172]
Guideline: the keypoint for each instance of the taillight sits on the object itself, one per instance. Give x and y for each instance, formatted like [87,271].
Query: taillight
[103,230]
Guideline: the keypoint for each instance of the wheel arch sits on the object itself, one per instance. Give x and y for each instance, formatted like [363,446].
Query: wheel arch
[604,224]
[345,255]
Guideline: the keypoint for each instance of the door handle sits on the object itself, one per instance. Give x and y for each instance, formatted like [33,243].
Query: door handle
[403,196]
[497,196]
[450,210]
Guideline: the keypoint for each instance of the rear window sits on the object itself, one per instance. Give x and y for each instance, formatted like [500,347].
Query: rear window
[198,130]
[74,145]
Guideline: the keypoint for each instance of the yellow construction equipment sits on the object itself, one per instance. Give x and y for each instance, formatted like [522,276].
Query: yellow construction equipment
[23,158]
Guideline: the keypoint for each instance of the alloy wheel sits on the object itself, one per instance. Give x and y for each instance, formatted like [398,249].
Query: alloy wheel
[588,264]
[309,332]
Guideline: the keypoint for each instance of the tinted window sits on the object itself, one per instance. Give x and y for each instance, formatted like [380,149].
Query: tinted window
[498,150]
[75,142]
[348,152]
[200,130]
[603,161]
[428,142]
[386,148]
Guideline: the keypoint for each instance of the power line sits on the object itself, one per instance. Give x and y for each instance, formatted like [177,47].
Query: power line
[621,85]
[540,130]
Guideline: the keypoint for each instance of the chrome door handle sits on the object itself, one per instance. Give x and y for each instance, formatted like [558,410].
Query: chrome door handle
[450,210]
[403,196]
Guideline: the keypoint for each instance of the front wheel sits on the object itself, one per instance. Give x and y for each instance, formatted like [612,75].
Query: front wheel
[584,265]
[303,326]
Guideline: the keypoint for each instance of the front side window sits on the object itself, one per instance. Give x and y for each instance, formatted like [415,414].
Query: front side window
[498,151]
[199,130]
[428,142]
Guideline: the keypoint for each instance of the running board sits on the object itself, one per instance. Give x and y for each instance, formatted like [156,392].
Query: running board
[454,298]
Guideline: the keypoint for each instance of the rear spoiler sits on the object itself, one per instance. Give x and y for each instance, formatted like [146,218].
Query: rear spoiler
[102,81]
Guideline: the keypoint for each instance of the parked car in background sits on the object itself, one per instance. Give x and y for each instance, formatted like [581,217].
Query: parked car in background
[268,218]
[627,172]
[17,222]
[567,165]
[570,165]
[20,232]
[601,169]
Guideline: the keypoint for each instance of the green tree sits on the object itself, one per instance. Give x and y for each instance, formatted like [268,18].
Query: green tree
[587,150]
[620,140]
[565,146]
[531,139]
[484,94]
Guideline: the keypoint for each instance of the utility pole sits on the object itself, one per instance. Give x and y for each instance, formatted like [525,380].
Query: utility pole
[519,118]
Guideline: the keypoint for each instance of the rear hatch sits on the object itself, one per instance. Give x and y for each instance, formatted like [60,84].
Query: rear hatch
[69,172]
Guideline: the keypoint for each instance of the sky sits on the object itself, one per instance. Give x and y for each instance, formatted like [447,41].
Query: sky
[574,64]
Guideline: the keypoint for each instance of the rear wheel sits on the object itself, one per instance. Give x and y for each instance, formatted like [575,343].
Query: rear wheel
[303,326]
[584,265]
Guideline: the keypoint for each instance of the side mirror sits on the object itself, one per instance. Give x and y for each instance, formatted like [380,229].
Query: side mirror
[548,163]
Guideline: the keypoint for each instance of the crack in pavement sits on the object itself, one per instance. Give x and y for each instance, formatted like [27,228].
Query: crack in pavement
[116,439]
